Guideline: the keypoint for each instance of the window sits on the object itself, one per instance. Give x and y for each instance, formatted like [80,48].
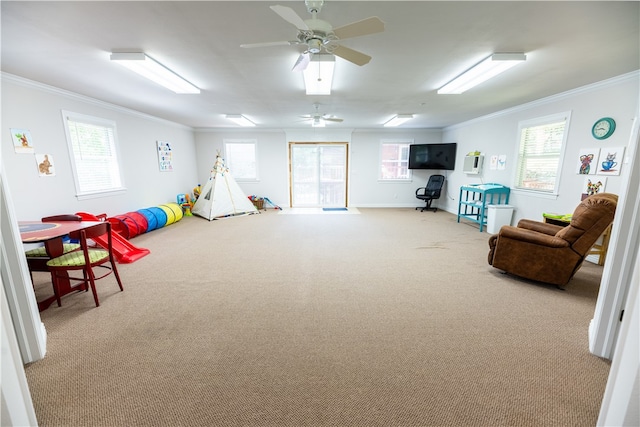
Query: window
[394,161]
[241,159]
[540,153]
[94,156]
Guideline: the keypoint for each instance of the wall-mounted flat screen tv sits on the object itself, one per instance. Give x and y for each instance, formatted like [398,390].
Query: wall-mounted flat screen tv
[432,156]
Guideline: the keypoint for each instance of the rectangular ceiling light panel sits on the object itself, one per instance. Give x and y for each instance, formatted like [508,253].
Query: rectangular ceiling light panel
[154,71]
[240,120]
[318,76]
[398,120]
[488,68]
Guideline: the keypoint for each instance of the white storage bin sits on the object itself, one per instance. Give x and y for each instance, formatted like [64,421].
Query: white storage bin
[497,216]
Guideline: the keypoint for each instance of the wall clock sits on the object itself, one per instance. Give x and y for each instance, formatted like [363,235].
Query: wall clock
[603,128]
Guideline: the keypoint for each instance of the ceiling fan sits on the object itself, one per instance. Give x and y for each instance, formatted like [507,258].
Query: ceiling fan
[317,118]
[319,36]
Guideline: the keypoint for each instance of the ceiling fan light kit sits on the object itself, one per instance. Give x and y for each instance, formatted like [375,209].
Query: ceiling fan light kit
[318,122]
[318,76]
[398,120]
[483,71]
[151,69]
[240,120]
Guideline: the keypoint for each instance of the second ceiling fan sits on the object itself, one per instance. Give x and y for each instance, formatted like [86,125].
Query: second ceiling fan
[318,119]
[319,36]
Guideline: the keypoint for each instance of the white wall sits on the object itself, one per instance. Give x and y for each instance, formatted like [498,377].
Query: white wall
[498,134]
[271,151]
[28,105]
[365,190]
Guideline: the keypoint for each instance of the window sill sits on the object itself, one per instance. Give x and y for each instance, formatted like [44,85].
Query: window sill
[395,181]
[87,196]
[533,193]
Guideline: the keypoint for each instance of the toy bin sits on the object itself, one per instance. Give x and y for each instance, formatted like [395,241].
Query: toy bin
[497,216]
[258,203]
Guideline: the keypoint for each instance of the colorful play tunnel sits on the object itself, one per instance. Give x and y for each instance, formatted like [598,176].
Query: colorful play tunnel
[132,224]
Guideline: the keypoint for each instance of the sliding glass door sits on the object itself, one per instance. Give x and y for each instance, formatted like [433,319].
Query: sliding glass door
[318,174]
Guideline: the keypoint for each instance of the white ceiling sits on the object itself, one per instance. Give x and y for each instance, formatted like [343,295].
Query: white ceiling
[424,45]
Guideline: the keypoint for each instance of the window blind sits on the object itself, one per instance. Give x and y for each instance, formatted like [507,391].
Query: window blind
[94,154]
[241,159]
[539,156]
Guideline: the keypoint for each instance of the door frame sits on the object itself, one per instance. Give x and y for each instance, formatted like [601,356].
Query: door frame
[346,172]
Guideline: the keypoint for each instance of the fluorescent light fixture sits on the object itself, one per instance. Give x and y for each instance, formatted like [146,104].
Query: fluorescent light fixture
[318,76]
[241,120]
[154,71]
[488,68]
[398,120]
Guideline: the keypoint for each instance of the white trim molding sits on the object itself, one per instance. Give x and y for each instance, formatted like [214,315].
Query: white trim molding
[623,252]
[18,290]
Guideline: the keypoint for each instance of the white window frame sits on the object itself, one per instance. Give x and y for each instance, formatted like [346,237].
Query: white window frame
[230,161]
[114,162]
[540,121]
[384,142]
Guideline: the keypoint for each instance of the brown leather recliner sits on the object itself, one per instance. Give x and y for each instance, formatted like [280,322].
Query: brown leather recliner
[551,253]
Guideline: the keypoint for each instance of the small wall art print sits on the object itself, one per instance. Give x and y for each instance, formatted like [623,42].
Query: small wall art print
[498,162]
[588,161]
[165,156]
[593,185]
[22,142]
[502,162]
[45,165]
[493,162]
[610,161]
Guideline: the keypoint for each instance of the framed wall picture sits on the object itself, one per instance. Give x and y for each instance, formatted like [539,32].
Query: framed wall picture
[165,156]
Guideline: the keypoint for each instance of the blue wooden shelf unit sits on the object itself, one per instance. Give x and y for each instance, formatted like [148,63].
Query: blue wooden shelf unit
[475,198]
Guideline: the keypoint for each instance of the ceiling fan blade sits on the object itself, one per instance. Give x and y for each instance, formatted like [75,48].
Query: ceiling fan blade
[265,44]
[351,55]
[290,16]
[302,62]
[332,119]
[361,28]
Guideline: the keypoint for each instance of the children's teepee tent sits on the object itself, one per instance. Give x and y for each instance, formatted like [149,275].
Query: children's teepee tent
[221,195]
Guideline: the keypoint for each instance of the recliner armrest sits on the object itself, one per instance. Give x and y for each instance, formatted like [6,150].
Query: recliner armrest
[531,236]
[540,227]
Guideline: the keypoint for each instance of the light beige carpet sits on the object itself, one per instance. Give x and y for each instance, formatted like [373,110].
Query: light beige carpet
[388,318]
[318,211]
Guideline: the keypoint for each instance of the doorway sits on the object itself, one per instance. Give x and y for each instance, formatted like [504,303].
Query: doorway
[318,174]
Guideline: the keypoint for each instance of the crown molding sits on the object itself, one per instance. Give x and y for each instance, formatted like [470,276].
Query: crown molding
[634,75]
[21,81]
